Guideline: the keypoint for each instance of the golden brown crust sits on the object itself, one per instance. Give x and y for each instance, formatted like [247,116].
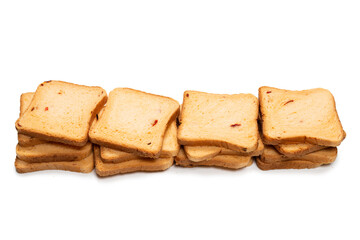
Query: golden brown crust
[139,165]
[85,165]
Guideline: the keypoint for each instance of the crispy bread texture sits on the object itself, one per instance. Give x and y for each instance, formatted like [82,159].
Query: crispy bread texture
[85,165]
[62,112]
[134,122]
[222,161]
[139,165]
[307,116]
[170,148]
[221,120]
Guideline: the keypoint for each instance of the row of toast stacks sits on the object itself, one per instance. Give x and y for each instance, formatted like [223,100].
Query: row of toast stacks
[53,127]
[136,131]
[218,130]
[300,129]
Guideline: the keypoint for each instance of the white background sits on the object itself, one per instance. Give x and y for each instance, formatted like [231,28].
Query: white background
[166,47]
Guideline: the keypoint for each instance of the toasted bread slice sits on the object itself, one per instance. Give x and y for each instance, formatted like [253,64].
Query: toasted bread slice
[223,161]
[297,149]
[85,165]
[134,122]
[307,116]
[138,165]
[24,140]
[52,152]
[221,120]
[170,148]
[327,155]
[62,112]
[201,153]
[290,164]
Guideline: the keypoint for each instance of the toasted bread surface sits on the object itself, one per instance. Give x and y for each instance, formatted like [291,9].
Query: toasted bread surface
[201,153]
[62,112]
[297,149]
[135,122]
[222,161]
[221,120]
[85,165]
[291,164]
[307,116]
[139,165]
[52,152]
[24,140]
[170,148]
[327,155]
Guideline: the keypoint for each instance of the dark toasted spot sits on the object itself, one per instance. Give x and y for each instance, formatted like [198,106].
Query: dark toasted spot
[149,143]
[288,102]
[33,109]
[235,125]
[187,95]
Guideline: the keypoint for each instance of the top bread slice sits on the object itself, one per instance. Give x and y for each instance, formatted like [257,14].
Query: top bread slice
[308,116]
[135,122]
[62,112]
[221,120]
[170,148]
[201,153]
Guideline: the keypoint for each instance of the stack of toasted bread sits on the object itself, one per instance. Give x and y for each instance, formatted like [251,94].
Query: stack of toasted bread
[53,127]
[301,129]
[136,131]
[218,130]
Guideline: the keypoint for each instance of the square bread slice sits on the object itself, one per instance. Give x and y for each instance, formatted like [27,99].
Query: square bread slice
[221,120]
[291,164]
[170,148]
[307,116]
[297,149]
[327,155]
[134,122]
[138,165]
[201,153]
[62,112]
[52,152]
[222,161]
[85,165]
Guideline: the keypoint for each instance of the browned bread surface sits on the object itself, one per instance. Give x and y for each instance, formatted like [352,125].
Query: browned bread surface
[170,148]
[85,165]
[200,153]
[62,112]
[221,120]
[222,161]
[135,122]
[327,155]
[307,116]
[138,165]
